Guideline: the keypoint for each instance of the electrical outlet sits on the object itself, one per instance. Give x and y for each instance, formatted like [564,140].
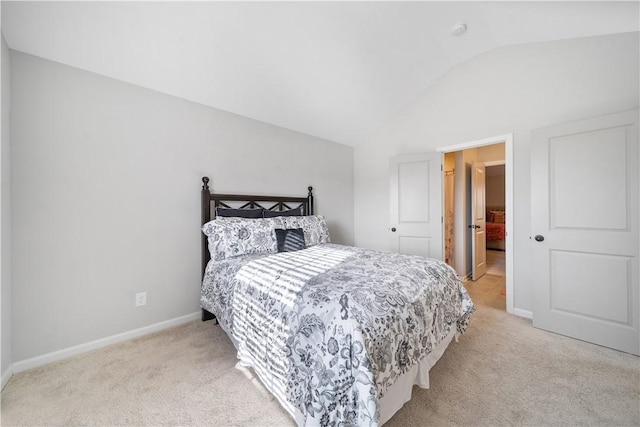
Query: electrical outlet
[141,299]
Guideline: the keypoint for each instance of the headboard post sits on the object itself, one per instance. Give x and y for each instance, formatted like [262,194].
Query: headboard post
[206,217]
[310,201]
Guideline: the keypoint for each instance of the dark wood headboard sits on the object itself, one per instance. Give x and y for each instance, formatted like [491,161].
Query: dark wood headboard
[272,203]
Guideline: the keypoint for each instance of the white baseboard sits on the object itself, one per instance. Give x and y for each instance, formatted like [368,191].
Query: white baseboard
[33,362]
[6,376]
[523,313]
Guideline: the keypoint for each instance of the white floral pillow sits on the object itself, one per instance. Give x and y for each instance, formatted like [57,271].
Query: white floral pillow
[229,237]
[314,227]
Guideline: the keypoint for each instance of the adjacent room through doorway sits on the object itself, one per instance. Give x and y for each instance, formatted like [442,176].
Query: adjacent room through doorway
[475,218]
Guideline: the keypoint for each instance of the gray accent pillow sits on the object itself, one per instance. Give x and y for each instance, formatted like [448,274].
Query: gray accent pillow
[291,212]
[290,239]
[239,213]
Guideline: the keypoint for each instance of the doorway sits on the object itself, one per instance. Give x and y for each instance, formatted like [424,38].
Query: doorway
[496,222]
[496,286]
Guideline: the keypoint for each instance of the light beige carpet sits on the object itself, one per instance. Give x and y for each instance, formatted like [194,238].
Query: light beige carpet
[502,372]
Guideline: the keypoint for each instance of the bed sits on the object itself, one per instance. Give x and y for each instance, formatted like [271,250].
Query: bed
[496,229]
[338,334]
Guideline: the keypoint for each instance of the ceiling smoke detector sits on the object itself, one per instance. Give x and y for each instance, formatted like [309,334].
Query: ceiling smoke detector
[459,28]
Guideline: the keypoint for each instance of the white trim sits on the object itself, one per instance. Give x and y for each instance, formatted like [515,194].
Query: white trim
[6,376]
[508,192]
[33,362]
[523,313]
[495,163]
[475,144]
[466,278]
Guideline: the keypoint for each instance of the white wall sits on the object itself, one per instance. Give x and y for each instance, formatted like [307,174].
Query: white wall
[106,198]
[5,214]
[508,90]
[495,189]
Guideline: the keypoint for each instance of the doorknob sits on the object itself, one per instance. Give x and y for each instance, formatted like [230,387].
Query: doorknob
[539,238]
[473,226]
[393,229]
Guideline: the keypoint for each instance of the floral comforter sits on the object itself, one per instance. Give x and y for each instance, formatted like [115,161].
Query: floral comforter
[329,328]
[496,231]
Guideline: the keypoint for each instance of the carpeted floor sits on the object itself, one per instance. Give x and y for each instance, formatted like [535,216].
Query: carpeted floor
[501,372]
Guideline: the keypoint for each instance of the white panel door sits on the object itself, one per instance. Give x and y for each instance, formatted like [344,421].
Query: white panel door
[478,225]
[416,204]
[585,197]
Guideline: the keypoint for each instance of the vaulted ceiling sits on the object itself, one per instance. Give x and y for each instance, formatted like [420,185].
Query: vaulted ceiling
[336,70]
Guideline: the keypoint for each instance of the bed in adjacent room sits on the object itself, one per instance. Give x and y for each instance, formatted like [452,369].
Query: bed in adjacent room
[338,334]
[496,228]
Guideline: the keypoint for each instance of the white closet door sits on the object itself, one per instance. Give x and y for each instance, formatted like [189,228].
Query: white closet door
[585,192]
[416,196]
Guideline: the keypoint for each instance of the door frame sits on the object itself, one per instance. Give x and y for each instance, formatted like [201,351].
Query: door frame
[507,139]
